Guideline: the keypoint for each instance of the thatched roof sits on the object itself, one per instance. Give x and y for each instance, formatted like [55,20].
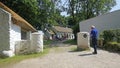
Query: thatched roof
[62,29]
[51,32]
[18,20]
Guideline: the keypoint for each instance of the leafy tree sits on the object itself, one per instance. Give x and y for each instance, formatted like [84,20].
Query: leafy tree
[50,13]
[85,9]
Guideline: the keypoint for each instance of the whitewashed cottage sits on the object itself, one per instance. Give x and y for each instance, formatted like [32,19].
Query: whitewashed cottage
[63,32]
[15,32]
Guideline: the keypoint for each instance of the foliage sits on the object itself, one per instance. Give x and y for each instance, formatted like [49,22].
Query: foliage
[89,8]
[50,15]
[47,43]
[111,40]
[111,35]
[72,42]
[76,30]
[112,46]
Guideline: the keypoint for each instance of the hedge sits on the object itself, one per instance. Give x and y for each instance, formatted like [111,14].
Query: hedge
[111,39]
[111,35]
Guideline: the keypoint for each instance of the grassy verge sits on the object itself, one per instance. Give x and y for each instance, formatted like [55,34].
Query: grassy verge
[8,61]
[72,42]
[47,43]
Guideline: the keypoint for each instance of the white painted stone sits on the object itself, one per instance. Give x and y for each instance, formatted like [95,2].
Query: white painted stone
[83,40]
[9,53]
[37,42]
[15,35]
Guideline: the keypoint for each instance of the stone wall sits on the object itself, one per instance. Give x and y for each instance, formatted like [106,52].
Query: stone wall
[35,44]
[22,47]
[102,22]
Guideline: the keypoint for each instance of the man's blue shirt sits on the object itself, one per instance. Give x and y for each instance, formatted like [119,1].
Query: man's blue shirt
[94,33]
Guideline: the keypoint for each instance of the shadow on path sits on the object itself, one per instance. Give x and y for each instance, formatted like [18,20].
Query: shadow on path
[86,54]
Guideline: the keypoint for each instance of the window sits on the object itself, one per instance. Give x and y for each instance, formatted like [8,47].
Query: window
[23,35]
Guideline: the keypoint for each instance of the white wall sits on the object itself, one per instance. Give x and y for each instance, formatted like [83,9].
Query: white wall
[103,22]
[4,30]
[15,35]
[9,33]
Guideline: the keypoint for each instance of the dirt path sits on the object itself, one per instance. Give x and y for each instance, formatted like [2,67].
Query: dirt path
[63,57]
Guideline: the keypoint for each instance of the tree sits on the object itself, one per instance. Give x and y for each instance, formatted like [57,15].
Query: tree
[50,13]
[28,9]
[85,9]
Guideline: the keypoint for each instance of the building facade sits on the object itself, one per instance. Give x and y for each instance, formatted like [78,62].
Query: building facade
[102,22]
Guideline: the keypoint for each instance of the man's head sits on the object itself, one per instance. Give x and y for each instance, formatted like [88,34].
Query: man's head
[92,27]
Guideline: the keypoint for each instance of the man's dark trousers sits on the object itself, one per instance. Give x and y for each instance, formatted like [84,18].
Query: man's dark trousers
[94,44]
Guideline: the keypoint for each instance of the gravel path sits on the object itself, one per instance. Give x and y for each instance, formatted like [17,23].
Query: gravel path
[65,58]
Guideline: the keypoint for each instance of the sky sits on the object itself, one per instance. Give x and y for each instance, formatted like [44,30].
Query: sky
[117,7]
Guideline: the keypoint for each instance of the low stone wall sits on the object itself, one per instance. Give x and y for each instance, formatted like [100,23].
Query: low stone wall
[35,44]
[22,47]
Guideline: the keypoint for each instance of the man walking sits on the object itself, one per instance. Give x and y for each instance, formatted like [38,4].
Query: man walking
[94,36]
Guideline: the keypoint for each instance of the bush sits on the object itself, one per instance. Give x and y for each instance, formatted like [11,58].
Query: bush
[111,39]
[111,35]
[112,46]
[108,35]
[47,43]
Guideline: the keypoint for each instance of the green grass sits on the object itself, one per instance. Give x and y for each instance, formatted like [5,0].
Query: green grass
[72,42]
[18,58]
[47,43]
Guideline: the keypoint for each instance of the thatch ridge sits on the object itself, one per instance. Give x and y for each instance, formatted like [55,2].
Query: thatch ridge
[63,29]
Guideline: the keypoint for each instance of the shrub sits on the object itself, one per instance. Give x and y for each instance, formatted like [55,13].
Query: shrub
[108,35]
[112,46]
[111,39]
[111,35]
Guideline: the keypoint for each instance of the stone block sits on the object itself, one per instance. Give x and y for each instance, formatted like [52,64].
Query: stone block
[83,40]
